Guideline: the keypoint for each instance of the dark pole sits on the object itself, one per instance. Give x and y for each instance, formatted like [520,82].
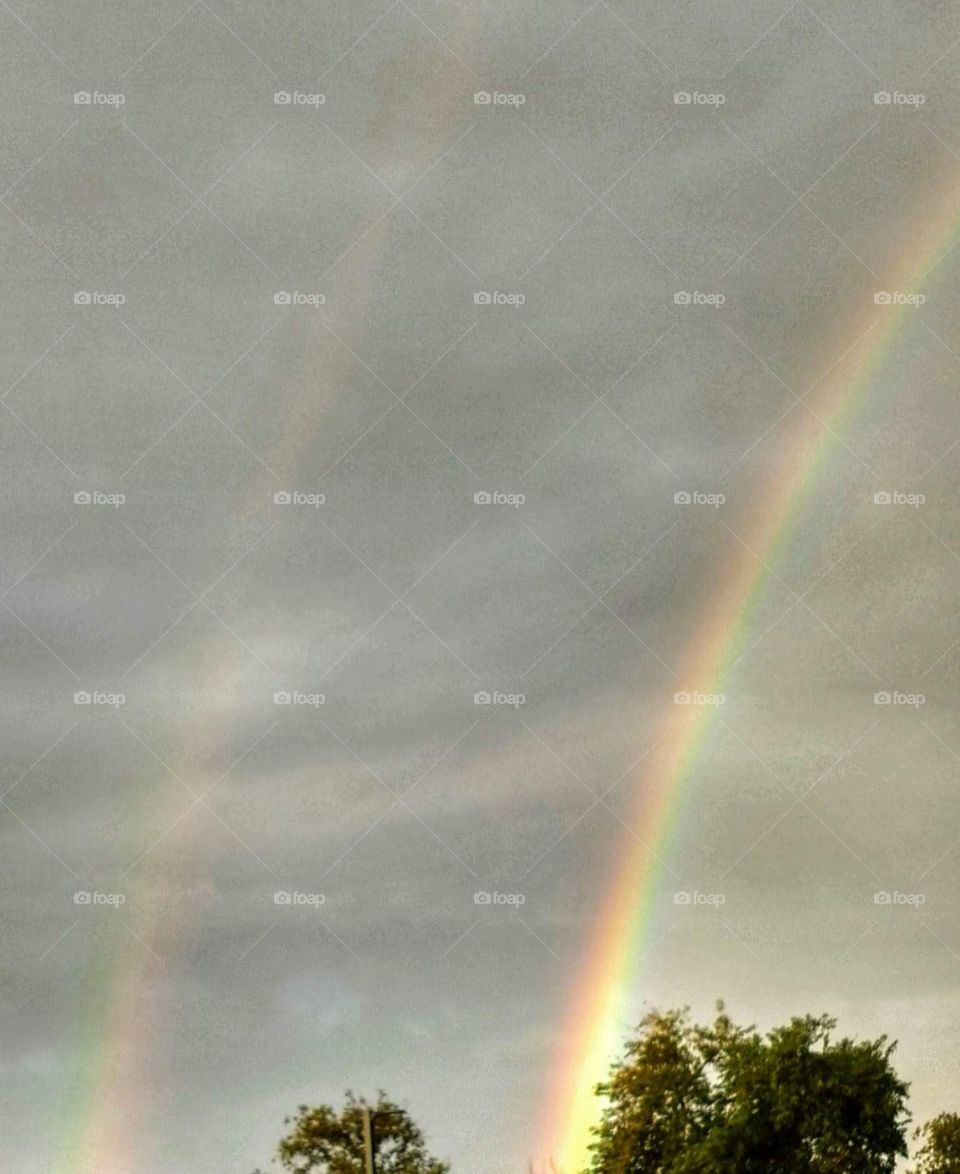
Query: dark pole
[370,1159]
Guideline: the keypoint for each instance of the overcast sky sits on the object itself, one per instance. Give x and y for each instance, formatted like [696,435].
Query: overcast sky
[214,296]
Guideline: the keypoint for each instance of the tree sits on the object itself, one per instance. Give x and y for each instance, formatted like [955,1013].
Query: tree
[940,1152]
[323,1141]
[724,1099]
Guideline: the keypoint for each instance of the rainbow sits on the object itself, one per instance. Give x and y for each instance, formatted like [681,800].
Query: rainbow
[114,1075]
[606,987]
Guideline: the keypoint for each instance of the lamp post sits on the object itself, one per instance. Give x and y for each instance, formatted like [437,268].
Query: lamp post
[370,1158]
[369,1135]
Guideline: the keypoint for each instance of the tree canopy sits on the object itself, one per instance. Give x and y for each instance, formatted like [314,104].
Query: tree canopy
[321,1140]
[940,1149]
[724,1099]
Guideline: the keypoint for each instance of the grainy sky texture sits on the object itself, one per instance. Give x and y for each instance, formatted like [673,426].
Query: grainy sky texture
[365,358]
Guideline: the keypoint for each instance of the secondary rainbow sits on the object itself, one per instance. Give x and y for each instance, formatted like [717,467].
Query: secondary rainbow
[115,1080]
[608,984]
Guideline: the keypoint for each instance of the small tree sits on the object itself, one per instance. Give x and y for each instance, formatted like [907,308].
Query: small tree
[940,1152]
[323,1141]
